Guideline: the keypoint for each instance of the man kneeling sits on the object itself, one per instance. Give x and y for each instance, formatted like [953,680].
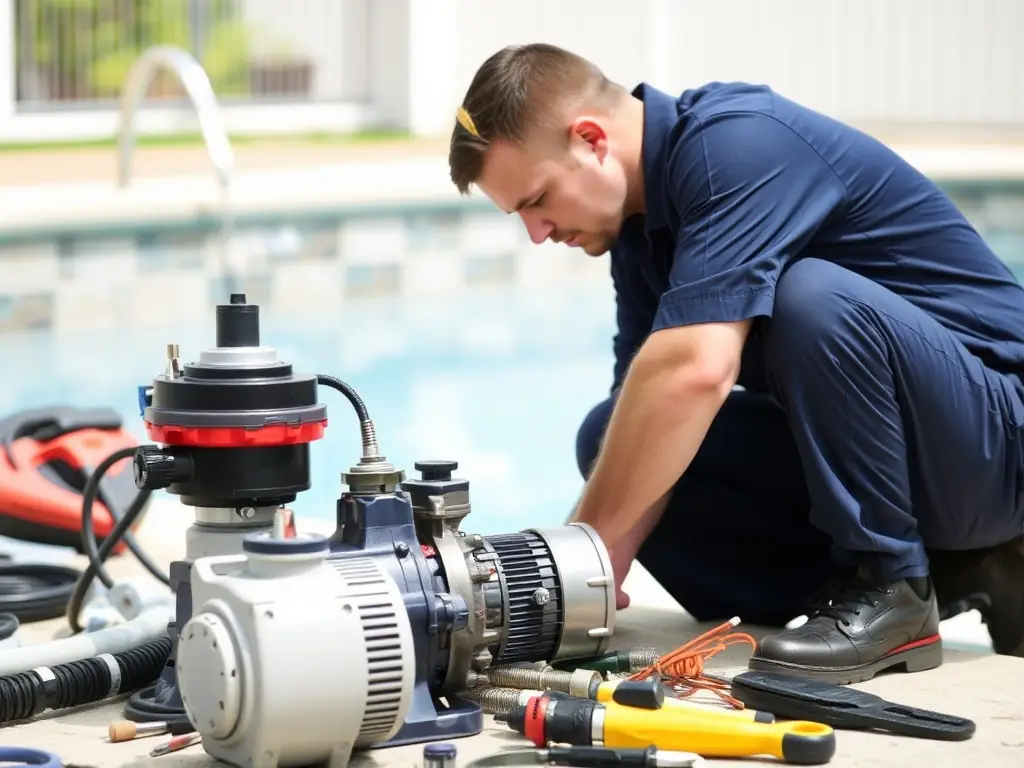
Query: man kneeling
[869,471]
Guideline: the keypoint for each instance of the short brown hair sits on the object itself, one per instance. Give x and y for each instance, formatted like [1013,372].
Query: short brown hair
[514,91]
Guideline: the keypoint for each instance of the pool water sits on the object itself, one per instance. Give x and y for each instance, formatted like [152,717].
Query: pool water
[498,380]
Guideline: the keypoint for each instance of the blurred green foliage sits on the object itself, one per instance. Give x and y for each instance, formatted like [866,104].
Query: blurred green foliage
[83,49]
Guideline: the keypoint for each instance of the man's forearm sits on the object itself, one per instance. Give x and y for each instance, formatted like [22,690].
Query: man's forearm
[630,543]
[659,421]
[628,547]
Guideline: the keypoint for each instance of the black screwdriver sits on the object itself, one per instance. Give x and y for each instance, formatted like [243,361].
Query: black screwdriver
[606,757]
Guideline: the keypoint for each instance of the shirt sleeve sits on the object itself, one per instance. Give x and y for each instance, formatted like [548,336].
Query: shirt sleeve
[751,193]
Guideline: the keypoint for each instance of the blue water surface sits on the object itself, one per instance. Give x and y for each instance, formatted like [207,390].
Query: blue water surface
[497,379]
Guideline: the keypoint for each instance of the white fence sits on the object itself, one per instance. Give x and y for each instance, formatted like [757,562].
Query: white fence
[309,65]
[954,62]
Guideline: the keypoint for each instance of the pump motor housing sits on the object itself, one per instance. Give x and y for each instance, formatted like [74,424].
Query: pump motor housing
[352,651]
[289,661]
[474,601]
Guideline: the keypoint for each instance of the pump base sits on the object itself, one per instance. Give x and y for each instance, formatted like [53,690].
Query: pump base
[157,704]
[431,720]
[162,700]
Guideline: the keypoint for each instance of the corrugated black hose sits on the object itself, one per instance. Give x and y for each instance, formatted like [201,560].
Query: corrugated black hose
[26,694]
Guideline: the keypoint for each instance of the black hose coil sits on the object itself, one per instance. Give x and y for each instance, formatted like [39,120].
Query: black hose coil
[75,683]
[18,696]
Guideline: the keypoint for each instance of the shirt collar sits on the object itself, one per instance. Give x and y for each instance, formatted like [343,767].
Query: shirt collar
[660,115]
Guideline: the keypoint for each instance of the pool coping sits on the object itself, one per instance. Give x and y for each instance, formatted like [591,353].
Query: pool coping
[329,192]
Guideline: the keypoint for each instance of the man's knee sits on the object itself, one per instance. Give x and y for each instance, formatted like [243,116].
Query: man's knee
[816,311]
[811,294]
[590,434]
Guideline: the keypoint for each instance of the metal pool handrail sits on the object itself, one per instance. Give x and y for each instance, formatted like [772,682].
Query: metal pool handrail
[194,80]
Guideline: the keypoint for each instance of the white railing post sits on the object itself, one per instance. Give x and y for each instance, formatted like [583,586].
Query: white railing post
[414,50]
[8,64]
[434,56]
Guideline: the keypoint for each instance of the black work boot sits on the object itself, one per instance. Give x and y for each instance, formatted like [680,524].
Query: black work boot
[989,580]
[863,629]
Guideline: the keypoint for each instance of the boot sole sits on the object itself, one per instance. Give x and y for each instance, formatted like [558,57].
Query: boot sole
[919,656]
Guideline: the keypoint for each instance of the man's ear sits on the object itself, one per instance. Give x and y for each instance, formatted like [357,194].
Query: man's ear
[590,131]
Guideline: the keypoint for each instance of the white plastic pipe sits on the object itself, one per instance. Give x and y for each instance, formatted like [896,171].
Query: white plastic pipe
[150,625]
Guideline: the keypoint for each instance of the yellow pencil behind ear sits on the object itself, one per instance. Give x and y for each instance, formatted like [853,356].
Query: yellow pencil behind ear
[466,121]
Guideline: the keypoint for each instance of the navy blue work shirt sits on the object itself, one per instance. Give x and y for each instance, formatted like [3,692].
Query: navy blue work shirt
[739,182]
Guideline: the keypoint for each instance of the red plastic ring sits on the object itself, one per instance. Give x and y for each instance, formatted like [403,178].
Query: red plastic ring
[534,720]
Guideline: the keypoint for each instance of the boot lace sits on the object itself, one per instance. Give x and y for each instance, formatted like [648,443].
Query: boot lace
[844,602]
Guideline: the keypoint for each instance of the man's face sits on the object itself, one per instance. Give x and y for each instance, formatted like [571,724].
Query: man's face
[571,194]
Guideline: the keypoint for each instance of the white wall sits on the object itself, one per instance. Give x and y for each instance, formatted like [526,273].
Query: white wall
[944,61]
[331,34]
[954,62]
[407,63]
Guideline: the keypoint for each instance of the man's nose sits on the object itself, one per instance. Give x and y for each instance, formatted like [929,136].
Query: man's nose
[538,229]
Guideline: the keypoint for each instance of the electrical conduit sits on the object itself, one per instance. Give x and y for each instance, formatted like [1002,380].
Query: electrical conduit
[26,694]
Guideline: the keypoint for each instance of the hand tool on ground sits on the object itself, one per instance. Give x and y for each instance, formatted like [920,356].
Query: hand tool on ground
[638,721]
[614,662]
[127,730]
[590,757]
[844,707]
[495,700]
[176,744]
[606,692]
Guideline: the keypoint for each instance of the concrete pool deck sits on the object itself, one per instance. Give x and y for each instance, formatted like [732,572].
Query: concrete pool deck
[976,685]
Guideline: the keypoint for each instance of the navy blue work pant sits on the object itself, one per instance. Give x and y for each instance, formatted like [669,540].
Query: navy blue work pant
[865,435]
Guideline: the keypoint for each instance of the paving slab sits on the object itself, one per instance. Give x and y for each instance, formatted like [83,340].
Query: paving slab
[986,688]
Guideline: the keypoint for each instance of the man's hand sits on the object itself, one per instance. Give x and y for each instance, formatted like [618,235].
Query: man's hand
[620,567]
[621,600]
[625,552]
[674,388]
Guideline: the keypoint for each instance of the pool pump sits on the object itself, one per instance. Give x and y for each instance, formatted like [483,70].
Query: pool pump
[292,648]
